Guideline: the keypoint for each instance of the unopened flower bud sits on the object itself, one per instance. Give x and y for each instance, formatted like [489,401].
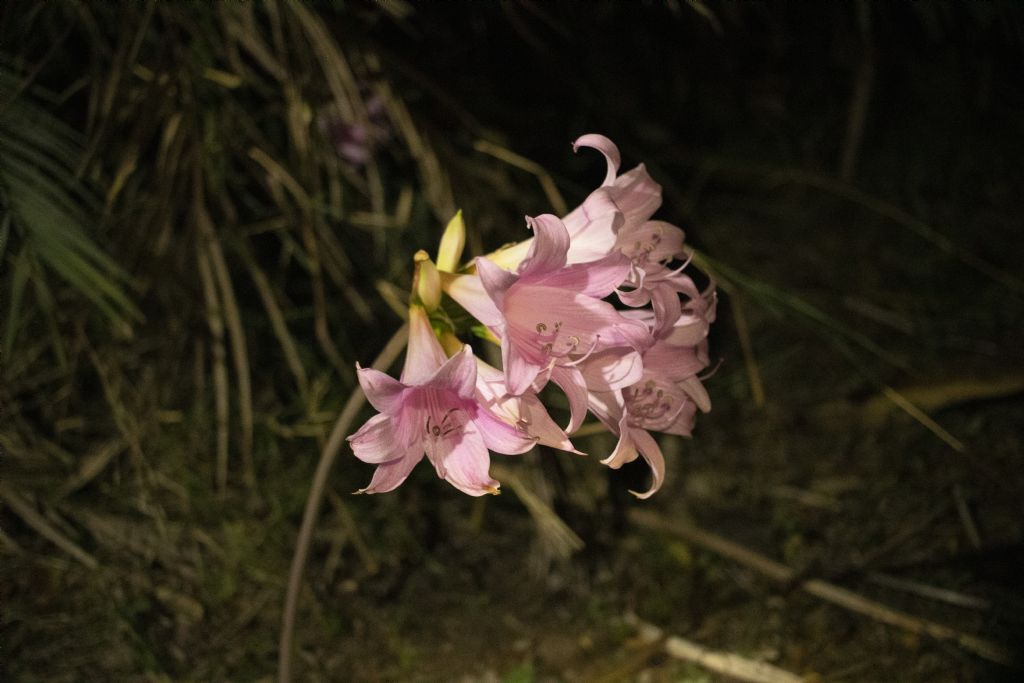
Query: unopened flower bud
[452,243]
[427,282]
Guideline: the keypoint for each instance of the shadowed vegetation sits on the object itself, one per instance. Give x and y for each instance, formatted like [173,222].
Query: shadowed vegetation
[208,214]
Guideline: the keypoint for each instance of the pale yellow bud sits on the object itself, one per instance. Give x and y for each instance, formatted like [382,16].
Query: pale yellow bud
[452,243]
[427,282]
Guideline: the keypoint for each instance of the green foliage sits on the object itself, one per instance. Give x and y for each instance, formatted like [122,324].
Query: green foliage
[53,213]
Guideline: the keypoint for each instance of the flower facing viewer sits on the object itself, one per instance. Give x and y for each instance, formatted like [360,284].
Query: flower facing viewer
[432,410]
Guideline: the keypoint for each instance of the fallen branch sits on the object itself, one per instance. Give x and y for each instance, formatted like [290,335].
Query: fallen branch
[836,595]
[726,663]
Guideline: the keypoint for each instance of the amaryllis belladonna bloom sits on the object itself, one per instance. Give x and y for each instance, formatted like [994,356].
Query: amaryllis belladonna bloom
[432,410]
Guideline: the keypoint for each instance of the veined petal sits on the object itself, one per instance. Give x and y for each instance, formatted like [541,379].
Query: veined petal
[608,407]
[464,462]
[695,390]
[613,369]
[590,321]
[637,195]
[649,449]
[526,411]
[666,306]
[598,205]
[389,475]
[501,437]
[550,245]
[458,374]
[424,354]
[382,391]
[468,291]
[597,279]
[671,362]
[521,369]
[496,281]
[683,425]
[375,441]
[540,425]
[571,381]
[605,147]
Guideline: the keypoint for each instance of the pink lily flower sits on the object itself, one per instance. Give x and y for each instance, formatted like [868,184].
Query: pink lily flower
[622,202]
[549,316]
[432,410]
[667,394]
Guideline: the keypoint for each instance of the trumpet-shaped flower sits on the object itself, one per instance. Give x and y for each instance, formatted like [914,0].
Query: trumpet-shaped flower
[667,394]
[546,302]
[549,316]
[433,410]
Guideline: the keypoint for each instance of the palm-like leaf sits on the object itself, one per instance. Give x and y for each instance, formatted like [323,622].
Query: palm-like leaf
[51,209]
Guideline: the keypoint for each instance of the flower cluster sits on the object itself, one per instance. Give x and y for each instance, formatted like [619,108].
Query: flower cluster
[590,302]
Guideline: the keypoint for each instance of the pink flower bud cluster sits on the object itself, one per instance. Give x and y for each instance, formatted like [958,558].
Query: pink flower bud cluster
[591,303]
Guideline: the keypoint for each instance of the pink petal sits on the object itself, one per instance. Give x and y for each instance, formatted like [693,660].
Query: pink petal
[424,354]
[382,391]
[550,245]
[525,411]
[666,306]
[457,374]
[596,279]
[608,407]
[586,318]
[501,437]
[636,297]
[389,476]
[520,368]
[625,450]
[672,363]
[496,281]
[613,369]
[683,425]
[571,381]
[668,239]
[598,208]
[468,291]
[689,330]
[540,425]
[695,390]
[649,449]
[375,441]
[637,195]
[464,462]
[605,147]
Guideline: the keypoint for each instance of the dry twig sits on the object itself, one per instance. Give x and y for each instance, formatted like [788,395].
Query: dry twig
[837,595]
[726,663]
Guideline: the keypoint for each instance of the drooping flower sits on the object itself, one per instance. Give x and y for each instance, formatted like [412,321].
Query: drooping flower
[667,395]
[432,410]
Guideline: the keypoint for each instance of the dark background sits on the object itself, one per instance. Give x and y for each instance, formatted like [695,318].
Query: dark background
[192,261]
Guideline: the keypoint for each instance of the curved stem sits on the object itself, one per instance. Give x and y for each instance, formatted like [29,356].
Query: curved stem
[355,402]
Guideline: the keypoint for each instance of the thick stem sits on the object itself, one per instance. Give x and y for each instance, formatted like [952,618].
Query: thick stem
[355,402]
